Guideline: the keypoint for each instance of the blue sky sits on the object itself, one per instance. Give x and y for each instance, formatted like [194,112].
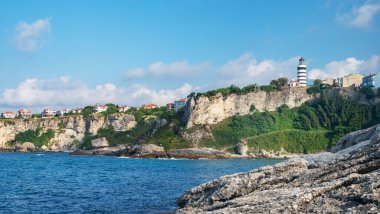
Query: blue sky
[76,52]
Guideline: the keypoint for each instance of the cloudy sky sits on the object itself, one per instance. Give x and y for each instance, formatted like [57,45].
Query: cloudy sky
[69,53]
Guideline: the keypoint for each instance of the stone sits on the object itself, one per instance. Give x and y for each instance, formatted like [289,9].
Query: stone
[25,147]
[242,149]
[144,149]
[196,153]
[343,181]
[99,143]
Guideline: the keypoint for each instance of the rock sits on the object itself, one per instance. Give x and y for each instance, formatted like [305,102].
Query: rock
[212,110]
[25,147]
[197,134]
[119,150]
[242,149]
[196,153]
[148,151]
[346,181]
[159,123]
[99,143]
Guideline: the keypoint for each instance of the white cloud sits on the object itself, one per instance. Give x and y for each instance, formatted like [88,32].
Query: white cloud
[175,69]
[63,92]
[30,37]
[345,67]
[361,17]
[247,70]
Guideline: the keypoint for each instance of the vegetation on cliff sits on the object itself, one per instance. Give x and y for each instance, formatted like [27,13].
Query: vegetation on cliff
[274,85]
[147,130]
[38,137]
[312,127]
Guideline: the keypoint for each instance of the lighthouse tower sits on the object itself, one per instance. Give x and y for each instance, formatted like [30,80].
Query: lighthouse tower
[302,73]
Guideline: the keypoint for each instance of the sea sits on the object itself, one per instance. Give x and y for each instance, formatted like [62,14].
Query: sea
[64,183]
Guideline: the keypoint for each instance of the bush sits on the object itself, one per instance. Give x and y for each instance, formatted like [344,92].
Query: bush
[267,88]
[368,92]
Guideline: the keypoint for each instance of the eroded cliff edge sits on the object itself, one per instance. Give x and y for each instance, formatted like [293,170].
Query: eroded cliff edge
[205,110]
[345,180]
[69,130]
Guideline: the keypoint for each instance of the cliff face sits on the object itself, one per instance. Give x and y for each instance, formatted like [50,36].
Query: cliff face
[204,110]
[345,180]
[69,131]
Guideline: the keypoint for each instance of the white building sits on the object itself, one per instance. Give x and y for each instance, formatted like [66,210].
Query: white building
[8,115]
[25,113]
[48,112]
[64,111]
[100,108]
[179,104]
[302,78]
[123,109]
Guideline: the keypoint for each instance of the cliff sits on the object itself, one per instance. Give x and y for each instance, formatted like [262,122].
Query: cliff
[69,131]
[345,180]
[212,110]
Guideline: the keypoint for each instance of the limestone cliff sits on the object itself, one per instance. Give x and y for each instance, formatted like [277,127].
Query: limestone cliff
[211,110]
[69,130]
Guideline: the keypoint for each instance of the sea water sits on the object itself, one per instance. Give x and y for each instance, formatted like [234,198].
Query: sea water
[63,183]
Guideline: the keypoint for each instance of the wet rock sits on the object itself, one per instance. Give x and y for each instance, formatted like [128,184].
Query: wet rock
[196,153]
[346,181]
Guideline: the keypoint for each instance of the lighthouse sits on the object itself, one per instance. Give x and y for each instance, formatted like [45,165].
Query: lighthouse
[301,76]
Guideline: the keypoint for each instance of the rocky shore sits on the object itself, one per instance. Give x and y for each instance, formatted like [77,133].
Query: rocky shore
[153,151]
[345,180]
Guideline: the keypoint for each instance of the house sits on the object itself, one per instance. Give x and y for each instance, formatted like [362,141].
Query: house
[293,83]
[100,108]
[328,81]
[8,115]
[76,110]
[123,109]
[150,106]
[25,113]
[48,112]
[64,111]
[169,106]
[179,104]
[350,80]
[369,81]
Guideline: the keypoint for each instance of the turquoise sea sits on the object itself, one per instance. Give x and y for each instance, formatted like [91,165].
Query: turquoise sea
[62,183]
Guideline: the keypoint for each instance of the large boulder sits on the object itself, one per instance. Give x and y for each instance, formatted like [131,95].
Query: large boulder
[196,153]
[242,149]
[25,147]
[100,142]
[346,181]
[148,150]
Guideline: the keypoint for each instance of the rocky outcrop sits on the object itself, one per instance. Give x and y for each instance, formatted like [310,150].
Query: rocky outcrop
[197,134]
[212,110]
[147,150]
[100,142]
[25,147]
[69,131]
[196,153]
[343,181]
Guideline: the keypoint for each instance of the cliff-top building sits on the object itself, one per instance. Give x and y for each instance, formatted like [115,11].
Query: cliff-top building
[25,113]
[301,75]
